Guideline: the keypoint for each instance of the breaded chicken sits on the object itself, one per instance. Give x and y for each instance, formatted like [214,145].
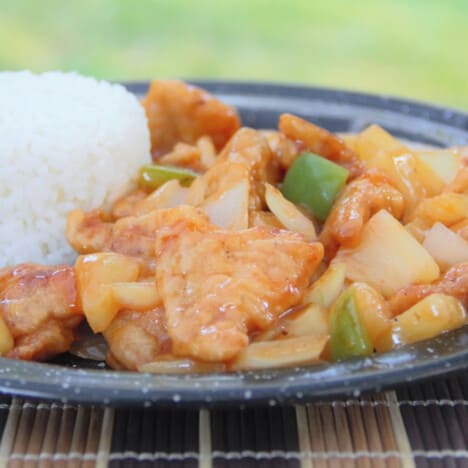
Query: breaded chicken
[318,140]
[136,338]
[219,286]
[41,308]
[454,283]
[180,113]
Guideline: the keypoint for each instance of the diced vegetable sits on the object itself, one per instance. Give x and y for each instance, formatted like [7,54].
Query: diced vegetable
[314,182]
[412,177]
[135,295]
[230,209]
[388,257]
[418,228]
[95,271]
[446,247]
[312,320]
[374,140]
[152,176]
[288,214]
[280,353]
[349,139]
[169,195]
[373,312]
[435,314]
[446,208]
[6,339]
[430,181]
[328,287]
[461,228]
[348,336]
[444,162]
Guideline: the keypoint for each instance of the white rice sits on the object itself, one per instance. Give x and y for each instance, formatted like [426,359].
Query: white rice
[66,142]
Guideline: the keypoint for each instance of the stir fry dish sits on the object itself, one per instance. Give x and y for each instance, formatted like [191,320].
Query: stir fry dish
[246,249]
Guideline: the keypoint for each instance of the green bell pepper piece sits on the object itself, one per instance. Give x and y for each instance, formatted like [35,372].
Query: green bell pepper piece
[153,176]
[348,337]
[314,182]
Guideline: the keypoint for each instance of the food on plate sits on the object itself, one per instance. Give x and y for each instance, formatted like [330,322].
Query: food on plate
[204,246]
[180,113]
[40,308]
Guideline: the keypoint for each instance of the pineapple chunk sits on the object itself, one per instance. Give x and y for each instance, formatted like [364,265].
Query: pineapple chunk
[349,139]
[374,140]
[312,320]
[280,353]
[388,257]
[373,312]
[288,214]
[447,208]
[93,273]
[430,180]
[136,296]
[435,314]
[413,177]
[446,247]
[328,287]
[6,339]
[444,162]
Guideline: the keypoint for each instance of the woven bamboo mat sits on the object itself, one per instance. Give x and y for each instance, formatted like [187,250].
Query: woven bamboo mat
[424,425]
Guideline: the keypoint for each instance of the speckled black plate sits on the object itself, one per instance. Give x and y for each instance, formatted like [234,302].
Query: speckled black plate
[74,379]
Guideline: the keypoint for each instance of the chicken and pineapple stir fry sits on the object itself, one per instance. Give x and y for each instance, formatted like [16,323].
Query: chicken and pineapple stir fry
[248,249]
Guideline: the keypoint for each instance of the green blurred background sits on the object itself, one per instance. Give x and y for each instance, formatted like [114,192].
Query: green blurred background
[410,48]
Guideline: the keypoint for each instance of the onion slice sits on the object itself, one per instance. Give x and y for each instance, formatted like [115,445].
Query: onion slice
[288,214]
[445,246]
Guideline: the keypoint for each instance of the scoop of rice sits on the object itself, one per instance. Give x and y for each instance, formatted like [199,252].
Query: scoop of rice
[66,142]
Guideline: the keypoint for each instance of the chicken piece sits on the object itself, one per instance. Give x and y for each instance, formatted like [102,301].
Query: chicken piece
[218,286]
[453,283]
[125,206]
[359,200]
[178,112]
[284,150]
[199,157]
[183,155]
[89,232]
[250,148]
[136,338]
[318,140]
[133,235]
[40,306]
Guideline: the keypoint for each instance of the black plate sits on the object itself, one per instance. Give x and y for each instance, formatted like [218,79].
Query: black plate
[260,106]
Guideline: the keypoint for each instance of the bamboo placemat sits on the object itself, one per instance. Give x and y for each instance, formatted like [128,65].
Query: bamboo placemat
[423,425]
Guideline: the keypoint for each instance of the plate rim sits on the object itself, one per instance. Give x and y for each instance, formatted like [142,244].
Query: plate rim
[421,105]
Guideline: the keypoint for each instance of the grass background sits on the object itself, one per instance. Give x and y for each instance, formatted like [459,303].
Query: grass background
[410,48]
